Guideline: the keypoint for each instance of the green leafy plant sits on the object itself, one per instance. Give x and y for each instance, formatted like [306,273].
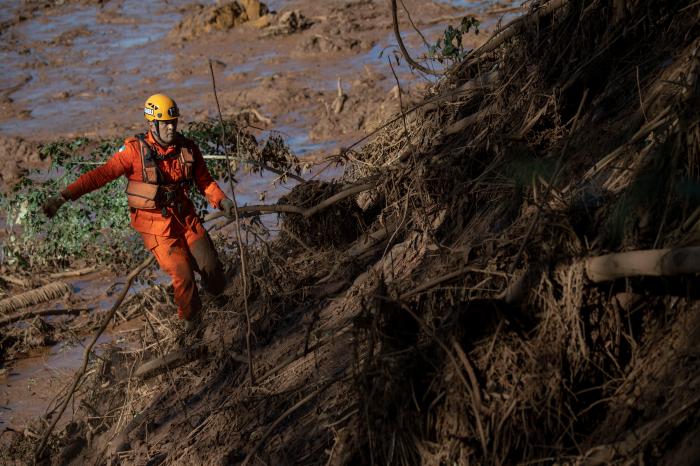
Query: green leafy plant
[96,227]
[449,45]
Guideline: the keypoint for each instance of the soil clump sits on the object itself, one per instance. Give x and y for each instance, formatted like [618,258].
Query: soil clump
[220,17]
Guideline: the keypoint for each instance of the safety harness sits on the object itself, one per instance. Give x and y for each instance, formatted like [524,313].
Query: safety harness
[153,193]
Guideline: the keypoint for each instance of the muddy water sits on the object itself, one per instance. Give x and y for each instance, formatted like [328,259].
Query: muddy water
[85,70]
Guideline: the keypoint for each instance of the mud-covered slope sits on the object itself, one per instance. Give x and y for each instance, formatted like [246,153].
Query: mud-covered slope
[461,318]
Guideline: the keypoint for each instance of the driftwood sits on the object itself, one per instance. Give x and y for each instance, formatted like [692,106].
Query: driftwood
[11,319]
[653,262]
[33,297]
[459,126]
[86,355]
[256,114]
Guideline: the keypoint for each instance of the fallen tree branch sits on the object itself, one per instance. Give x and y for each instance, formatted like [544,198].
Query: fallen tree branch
[11,319]
[249,210]
[73,273]
[652,262]
[460,125]
[447,277]
[33,297]
[86,355]
[404,52]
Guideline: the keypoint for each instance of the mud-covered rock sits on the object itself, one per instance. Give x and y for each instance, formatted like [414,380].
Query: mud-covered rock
[220,17]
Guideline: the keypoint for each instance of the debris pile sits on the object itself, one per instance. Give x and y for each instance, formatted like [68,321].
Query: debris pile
[477,319]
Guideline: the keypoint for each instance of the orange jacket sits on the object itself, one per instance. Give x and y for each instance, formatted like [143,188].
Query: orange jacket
[128,162]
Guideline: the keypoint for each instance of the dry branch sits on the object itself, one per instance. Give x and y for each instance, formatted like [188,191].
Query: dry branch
[73,273]
[256,114]
[33,297]
[24,283]
[653,262]
[86,355]
[404,52]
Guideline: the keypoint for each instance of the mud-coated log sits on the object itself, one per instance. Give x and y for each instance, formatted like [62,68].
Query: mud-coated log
[33,297]
[653,262]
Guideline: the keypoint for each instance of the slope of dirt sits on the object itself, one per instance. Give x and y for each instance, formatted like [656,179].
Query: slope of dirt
[466,324]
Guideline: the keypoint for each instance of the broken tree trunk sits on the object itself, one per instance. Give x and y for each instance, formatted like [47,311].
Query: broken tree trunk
[653,262]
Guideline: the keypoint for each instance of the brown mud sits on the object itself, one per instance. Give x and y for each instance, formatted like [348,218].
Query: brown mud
[459,319]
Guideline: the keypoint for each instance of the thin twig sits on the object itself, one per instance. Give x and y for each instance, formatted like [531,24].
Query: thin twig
[241,247]
[86,355]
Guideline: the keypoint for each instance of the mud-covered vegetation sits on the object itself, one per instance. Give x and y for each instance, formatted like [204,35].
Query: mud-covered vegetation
[465,317]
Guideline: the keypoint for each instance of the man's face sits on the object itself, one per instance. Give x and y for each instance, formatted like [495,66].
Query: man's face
[166,130]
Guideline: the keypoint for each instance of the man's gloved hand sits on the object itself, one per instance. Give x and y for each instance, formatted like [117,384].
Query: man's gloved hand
[227,208]
[52,205]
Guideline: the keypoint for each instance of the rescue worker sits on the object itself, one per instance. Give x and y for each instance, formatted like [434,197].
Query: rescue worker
[160,166]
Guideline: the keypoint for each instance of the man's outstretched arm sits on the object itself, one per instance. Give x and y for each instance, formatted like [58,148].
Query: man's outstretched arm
[119,164]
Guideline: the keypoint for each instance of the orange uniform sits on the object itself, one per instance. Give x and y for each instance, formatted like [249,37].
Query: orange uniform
[174,234]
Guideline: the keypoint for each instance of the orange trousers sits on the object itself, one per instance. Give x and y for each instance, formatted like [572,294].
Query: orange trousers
[180,257]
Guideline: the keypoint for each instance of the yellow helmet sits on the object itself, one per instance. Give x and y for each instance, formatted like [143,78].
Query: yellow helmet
[160,107]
